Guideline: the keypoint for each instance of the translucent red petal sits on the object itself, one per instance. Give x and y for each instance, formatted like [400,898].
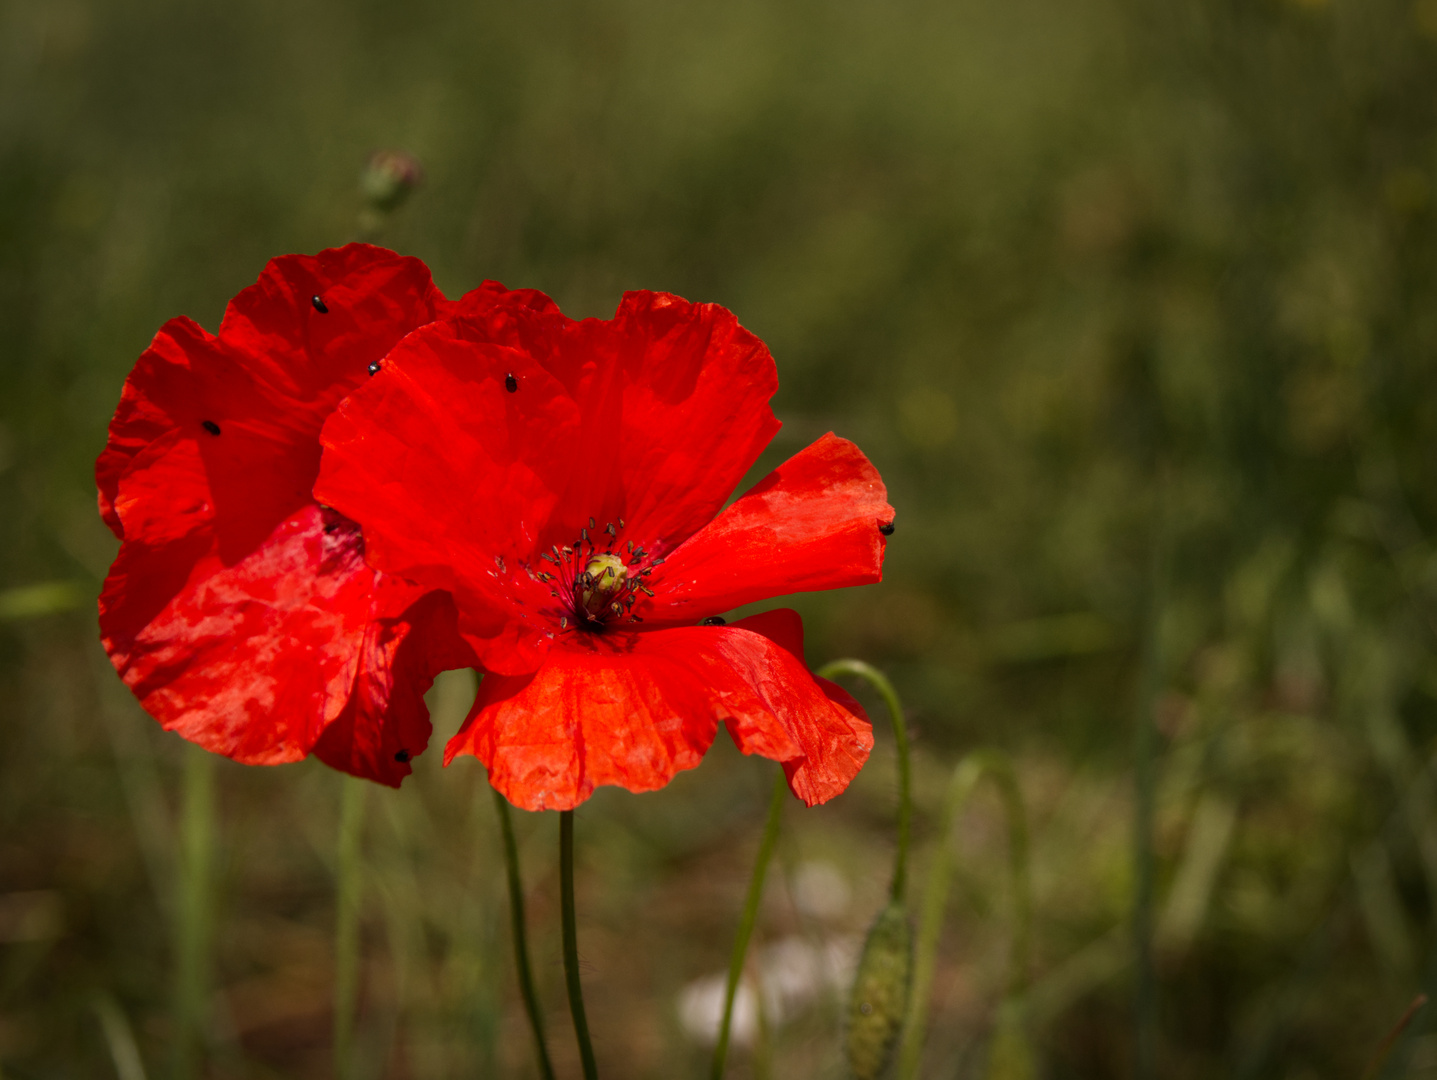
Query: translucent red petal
[631,710]
[242,614]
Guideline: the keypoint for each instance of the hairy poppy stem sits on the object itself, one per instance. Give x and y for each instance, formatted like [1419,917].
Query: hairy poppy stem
[571,944]
[520,934]
[880,682]
[349,887]
[750,916]
[194,911]
[972,769]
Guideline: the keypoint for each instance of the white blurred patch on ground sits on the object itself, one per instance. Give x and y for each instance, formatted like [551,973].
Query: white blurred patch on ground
[820,890]
[789,976]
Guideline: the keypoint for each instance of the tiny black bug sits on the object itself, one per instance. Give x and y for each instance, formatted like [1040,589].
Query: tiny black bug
[210,426]
[511,384]
[714,620]
[319,305]
[402,756]
[374,368]
[886,528]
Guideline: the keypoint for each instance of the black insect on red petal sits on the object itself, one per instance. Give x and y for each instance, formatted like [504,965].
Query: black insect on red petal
[402,756]
[886,528]
[374,368]
[511,384]
[714,620]
[210,426]
[319,305]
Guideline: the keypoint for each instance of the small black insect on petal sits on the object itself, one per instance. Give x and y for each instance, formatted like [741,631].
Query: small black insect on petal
[319,305]
[511,384]
[374,368]
[714,620]
[210,426]
[886,528]
[402,756]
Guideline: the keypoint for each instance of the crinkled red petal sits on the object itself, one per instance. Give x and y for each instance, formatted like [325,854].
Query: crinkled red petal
[600,711]
[632,709]
[813,523]
[649,418]
[385,724]
[830,729]
[207,478]
[248,660]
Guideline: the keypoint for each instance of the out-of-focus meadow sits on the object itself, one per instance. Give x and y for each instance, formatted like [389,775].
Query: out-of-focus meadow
[1134,305]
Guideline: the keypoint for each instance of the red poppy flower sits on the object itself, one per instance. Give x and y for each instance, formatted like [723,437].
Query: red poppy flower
[564,481]
[240,611]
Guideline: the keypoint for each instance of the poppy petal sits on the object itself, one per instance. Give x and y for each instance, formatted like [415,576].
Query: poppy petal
[249,660]
[506,432]
[812,523]
[830,730]
[677,394]
[240,612]
[385,723]
[440,440]
[600,711]
[632,710]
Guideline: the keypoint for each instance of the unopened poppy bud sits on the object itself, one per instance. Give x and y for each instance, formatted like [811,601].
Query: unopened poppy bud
[1010,1054]
[879,1002]
[388,178]
[603,577]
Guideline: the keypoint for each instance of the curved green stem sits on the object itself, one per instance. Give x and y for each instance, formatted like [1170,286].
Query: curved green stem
[571,944]
[350,887]
[519,931]
[880,682]
[973,768]
[750,916]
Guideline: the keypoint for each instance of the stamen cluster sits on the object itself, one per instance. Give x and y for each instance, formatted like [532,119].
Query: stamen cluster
[594,585]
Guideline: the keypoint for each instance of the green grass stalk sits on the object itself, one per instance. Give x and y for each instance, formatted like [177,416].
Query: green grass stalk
[571,945]
[885,689]
[1145,751]
[746,923]
[972,769]
[194,915]
[519,931]
[349,889]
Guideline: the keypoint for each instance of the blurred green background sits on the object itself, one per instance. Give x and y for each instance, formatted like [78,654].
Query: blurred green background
[1134,305]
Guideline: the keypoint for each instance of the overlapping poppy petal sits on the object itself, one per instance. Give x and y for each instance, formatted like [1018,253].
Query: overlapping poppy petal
[813,523]
[241,613]
[506,432]
[556,467]
[632,709]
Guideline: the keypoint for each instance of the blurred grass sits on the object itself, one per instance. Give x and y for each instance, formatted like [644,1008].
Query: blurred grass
[1051,265]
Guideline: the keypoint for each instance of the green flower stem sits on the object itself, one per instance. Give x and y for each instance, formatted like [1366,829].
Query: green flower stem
[194,912]
[571,944]
[521,936]
[973,768]
[880,682]
[750,916]
[349,888]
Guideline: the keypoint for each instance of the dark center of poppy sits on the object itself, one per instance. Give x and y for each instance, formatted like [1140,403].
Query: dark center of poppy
[596,579]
